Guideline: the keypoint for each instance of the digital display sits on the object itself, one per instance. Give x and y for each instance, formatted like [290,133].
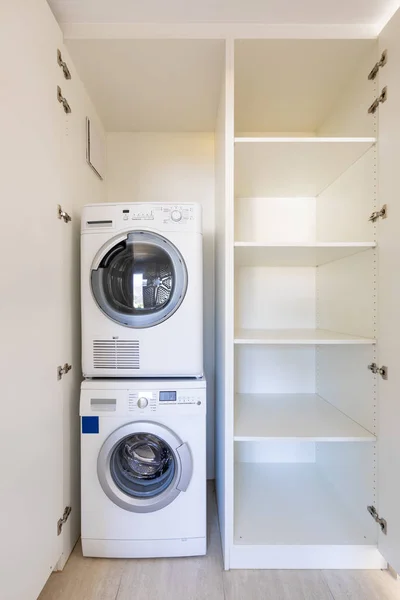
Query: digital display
[167,396]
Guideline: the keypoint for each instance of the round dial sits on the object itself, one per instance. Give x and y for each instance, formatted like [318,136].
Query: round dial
[142,402]
[176,215]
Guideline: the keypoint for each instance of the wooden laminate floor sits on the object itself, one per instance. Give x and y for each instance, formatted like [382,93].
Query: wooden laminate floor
[202,578]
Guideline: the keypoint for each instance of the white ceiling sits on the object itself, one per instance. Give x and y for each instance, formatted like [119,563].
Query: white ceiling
[152,85]
[328,12]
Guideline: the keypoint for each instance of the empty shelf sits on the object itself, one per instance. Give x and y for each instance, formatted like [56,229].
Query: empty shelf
[297,337]
[293,166]
[253,254]
[291,504]
[304,417]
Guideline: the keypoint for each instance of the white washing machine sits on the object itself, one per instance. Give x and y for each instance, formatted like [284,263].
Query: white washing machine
[143,468]
[142,290]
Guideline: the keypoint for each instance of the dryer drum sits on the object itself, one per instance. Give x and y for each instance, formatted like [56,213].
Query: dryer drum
[140,281]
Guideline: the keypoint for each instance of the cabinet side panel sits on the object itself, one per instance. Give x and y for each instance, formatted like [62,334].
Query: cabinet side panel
[224,216]
[343,208]
[349,472]
[346,295]
[348,115]
[31,418]
[344,380]
[81,185]
[389,296]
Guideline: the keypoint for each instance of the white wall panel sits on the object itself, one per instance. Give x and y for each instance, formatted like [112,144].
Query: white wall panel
[150,167]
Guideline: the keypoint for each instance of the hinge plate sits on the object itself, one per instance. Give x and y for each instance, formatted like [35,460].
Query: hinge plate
[381,63]
[382,371]
[63,101]
[63,370]
[61,214]
[64,519]
[63,65]
[379,214]
[379,100]
[381,522]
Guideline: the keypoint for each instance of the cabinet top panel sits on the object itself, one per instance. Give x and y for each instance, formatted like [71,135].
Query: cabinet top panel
[152,85]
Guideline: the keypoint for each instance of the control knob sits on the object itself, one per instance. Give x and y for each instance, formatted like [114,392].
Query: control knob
[142,402]
[176,215]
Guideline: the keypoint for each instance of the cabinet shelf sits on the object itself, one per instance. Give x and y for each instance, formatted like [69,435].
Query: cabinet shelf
[290,504]
[297,337]
[304,417]
[293,166]
[255,254]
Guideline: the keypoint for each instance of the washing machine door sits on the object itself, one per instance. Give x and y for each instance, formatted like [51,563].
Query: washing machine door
[139,279]
[144,466]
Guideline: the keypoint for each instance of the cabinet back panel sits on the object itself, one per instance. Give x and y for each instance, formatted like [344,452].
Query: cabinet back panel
[344,207]
[346,295]
[275,452]
[275,220]
[274,370]
[275,297]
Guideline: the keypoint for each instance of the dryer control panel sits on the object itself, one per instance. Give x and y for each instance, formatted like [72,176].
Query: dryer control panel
[159,216]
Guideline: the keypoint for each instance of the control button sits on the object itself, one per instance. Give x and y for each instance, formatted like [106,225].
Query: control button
[176,215]
[142,402]
[125,217]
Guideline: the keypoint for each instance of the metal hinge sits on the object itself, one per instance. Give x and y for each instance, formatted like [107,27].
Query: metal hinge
[382,371]
[63,370]
[63,65]
[61,214]
[381,522]
[379,100]
[379,214]
[63,101]
[64,519]
[381,63]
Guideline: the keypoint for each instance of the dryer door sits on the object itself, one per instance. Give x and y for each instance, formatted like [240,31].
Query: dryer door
[143,466]
[139,279]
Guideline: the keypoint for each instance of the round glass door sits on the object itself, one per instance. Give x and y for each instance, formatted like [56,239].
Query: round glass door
[139,280]
[144,466]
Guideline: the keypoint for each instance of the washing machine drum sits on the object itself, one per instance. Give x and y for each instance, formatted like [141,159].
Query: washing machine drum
[139,280]
[143,466]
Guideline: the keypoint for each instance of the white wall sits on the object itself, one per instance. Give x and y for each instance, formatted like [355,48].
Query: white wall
[153,167]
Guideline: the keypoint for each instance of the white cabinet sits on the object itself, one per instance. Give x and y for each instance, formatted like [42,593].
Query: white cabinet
[307,305]
[43,165]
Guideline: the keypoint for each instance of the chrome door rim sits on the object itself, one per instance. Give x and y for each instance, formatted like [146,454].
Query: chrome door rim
[114,493]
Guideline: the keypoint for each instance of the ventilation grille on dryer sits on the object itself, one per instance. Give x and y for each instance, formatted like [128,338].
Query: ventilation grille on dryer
[116,354]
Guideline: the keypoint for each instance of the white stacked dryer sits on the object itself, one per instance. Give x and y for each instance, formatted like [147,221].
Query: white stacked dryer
[142,290]
[143,401]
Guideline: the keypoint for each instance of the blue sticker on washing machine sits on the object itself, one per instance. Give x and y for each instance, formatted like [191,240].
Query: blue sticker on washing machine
[90,424]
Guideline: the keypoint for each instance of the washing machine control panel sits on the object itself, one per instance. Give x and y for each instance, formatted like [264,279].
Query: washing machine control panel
[146,401]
